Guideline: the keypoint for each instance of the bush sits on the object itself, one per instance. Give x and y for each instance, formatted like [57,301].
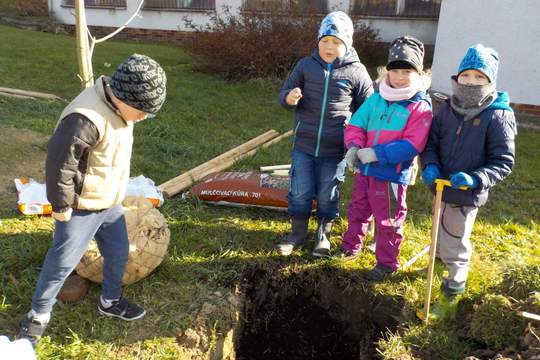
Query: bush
[255,44]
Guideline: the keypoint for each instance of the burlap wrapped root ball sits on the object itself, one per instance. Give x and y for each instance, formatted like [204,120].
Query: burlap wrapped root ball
[148,235]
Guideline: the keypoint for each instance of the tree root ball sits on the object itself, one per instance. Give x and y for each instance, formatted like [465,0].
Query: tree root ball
[74,289]
[149,238]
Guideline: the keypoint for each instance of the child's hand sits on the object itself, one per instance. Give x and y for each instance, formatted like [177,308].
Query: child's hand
[430,173]
[463,179]
[351,159]
[294,96]
[63,216]
[366,155]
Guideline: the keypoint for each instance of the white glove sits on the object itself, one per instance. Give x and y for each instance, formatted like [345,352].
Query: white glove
[366,155]
[351,159]
[63,216]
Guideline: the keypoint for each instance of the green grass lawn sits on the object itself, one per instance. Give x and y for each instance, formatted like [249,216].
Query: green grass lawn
[211,246]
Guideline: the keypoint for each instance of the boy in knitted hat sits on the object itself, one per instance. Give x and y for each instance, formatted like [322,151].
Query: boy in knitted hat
[471,143]
[87,171]
[324,89]
[383,138]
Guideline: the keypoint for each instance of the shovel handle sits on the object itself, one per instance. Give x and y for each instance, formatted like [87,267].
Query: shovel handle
[439,186]
[441,183]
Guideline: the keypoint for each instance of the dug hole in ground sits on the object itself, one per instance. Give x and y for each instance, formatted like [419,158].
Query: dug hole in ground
[282,311]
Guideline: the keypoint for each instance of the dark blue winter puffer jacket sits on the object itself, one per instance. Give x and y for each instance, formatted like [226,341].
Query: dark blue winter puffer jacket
[482,147]
[331,94]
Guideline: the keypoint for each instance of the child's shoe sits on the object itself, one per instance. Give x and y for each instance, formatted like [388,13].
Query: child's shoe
[122,309]
[31,329]
[444,309]
[296,238]
[379,273]
[322,244]
[451,288]
[345,255]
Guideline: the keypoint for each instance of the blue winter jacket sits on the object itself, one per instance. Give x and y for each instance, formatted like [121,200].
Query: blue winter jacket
[331,94]
[482,147]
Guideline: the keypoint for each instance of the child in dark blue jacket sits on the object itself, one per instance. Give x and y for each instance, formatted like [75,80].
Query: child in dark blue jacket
[324,89]
[471,142]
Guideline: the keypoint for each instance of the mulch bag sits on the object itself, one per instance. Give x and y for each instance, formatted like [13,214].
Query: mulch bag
[148,235]
[243,189]
[33,195]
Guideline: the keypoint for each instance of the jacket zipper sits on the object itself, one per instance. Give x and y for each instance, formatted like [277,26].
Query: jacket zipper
[458,136]
[366,168]
[323,108]
[296,131]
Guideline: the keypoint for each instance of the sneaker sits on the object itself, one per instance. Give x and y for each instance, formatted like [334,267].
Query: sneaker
[285,248]
[122,309]
[379,273]
[32,330]
[345,255]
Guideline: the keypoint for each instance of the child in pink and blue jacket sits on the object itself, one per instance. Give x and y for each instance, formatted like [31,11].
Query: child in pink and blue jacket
[383,137]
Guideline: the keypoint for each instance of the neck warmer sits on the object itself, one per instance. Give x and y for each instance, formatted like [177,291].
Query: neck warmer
[470,101]
[391,94]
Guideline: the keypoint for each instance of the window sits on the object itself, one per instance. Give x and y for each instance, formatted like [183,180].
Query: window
[314,6]
[399,8]
[180,4]
[99,3]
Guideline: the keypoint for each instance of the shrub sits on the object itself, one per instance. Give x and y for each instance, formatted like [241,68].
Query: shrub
[255,44]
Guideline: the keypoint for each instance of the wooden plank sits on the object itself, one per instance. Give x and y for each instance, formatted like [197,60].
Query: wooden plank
[528,315]
[275,167]
[33,94]
[269,143]
[281,172]
[221,162]
[15,95]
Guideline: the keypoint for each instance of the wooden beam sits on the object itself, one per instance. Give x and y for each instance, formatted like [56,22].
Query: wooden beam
[219,163]
[33,94]
[275,167]
[528,315]
[281,172]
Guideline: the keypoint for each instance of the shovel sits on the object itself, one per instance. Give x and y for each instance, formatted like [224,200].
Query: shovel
[439,187]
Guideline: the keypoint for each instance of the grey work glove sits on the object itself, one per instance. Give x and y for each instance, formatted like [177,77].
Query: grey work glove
[351,159]
[366,155]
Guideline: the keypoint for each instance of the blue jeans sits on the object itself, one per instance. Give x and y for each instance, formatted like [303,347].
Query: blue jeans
[71,240]
[315,178]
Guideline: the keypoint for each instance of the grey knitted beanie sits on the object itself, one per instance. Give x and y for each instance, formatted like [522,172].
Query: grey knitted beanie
[140,82]
[406,50]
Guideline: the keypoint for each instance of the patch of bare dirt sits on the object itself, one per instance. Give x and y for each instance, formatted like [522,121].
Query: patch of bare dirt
[22,154]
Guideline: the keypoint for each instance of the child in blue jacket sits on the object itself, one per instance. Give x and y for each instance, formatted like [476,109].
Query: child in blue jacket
[324,89]
[471,142]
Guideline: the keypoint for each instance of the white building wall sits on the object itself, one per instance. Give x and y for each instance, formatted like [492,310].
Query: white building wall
[511,27]
[389,28]
[424,30]
[147,19]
